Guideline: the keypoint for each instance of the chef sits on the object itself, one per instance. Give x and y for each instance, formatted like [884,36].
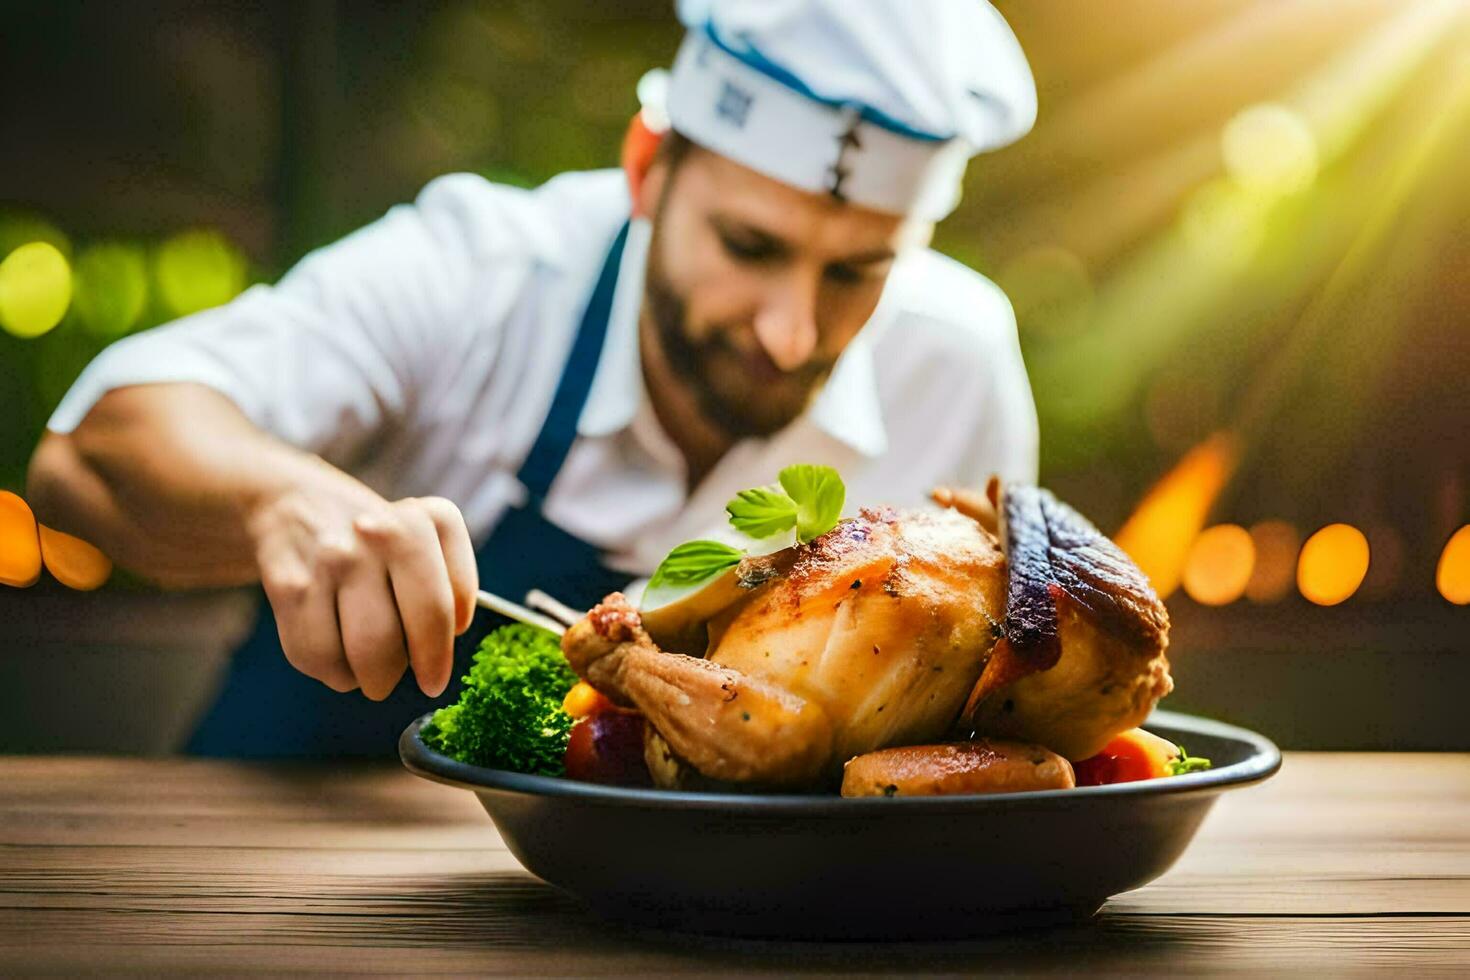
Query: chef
[550,388]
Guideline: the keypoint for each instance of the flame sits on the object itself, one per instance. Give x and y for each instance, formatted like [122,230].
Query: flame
[1159,533]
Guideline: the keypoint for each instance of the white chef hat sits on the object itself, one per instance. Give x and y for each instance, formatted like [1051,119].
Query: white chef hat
[879,102]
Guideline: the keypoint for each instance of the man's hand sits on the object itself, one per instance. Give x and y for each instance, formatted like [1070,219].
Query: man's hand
[362,588]
[174,483]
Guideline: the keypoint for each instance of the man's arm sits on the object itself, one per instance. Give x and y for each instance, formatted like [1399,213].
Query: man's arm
[195,453]
[175,483]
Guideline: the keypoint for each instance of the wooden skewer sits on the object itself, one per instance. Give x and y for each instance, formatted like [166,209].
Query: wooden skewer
[494,603]
[552,606]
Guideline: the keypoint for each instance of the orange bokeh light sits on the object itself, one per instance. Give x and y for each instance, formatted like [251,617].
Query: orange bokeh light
[1332,564]
[1219,565]
[1453,575]
[20,547]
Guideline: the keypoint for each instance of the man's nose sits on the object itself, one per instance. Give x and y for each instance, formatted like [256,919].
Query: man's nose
[786,325]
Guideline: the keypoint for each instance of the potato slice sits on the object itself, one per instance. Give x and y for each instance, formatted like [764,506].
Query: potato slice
[985,765]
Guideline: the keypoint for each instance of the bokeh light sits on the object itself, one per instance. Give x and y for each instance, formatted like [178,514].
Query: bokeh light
[1219,565]
[35,289]
[1276,544]
[197,270]
[1224,222]
[1332,564]
[20,547]
[1270,148]
[1452,577]
[111,288]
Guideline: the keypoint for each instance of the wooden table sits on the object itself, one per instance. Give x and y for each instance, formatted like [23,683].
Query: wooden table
[1343,862]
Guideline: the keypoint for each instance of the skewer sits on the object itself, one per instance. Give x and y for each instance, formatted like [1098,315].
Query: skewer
[553,607]
[494,603]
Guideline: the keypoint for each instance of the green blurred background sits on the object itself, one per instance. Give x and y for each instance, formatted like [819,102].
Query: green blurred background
[1238,244]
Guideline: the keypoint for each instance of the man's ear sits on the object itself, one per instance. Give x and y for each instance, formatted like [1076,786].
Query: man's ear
[645,176]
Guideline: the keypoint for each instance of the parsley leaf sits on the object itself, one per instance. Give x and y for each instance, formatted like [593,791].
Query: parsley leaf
[762,512]
[809,499]
[1187,763]
[695,561]
[819,495]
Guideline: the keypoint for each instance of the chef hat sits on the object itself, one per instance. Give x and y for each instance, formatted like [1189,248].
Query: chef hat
[877,102]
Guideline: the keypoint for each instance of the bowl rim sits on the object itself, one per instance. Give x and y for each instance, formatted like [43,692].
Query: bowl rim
[1263,762]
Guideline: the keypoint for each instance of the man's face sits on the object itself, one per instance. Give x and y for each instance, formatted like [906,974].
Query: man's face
[754,288]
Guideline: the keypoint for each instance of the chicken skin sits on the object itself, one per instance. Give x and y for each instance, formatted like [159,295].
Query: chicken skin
[873,636]
[1085,634]
[896,628]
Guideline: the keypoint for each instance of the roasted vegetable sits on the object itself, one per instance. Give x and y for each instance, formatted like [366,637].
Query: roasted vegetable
[986,765]
[1135,755]
[607,747]
[509,715]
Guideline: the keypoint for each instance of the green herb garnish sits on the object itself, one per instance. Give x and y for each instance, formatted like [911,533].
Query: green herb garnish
[819,495]
[762,512]
[808,498]
[1187,763]
[693,562]
[509,715]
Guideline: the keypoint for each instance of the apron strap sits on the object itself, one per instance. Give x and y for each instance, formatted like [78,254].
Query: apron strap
[266,709]
[560,430]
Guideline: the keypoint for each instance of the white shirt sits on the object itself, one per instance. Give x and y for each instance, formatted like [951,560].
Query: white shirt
[421,354]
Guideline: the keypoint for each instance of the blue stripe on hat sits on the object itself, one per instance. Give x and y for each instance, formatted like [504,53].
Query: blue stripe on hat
[752,58]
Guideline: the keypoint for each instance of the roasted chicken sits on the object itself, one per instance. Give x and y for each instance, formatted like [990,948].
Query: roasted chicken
[896,628]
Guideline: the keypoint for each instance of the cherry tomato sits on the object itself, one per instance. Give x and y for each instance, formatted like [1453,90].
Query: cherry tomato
[607,747]
[584,699]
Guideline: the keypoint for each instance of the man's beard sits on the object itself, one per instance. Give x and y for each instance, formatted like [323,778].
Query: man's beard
[741,413]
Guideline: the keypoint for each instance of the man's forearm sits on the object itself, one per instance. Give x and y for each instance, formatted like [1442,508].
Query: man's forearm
[164,478]
[173,482]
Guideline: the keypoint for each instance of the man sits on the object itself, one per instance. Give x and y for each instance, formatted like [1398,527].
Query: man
[521,389]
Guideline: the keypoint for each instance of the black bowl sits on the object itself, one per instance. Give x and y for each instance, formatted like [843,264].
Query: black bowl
[824,867]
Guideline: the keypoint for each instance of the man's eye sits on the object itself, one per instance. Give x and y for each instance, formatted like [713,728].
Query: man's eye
[844,274]
[745,251]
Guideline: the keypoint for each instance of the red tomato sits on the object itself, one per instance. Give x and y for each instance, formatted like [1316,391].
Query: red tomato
[1094,771]
[607,747]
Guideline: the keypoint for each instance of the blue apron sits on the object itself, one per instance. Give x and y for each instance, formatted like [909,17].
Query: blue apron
[267,709]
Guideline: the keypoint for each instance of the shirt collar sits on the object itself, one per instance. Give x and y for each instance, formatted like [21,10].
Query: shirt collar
[847,408]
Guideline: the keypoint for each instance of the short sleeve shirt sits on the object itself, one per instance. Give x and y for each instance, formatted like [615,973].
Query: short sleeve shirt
[421,354]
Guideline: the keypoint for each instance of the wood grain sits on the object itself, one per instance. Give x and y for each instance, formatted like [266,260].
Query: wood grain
[1342,863]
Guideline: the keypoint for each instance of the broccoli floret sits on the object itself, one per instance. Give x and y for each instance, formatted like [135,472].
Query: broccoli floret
[509,715]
